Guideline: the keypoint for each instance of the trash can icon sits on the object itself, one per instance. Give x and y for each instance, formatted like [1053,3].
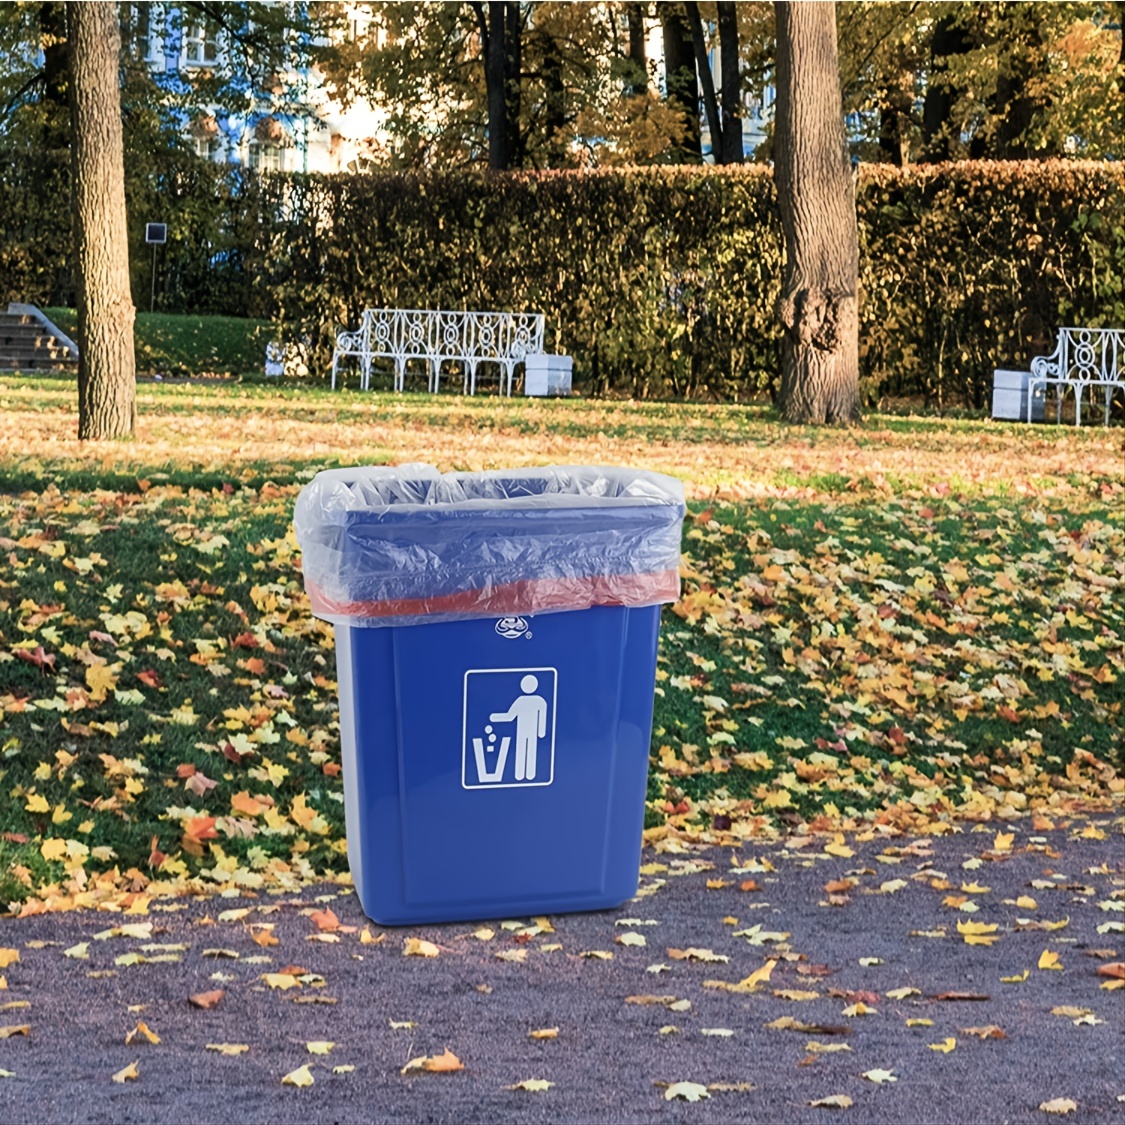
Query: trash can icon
[496,638]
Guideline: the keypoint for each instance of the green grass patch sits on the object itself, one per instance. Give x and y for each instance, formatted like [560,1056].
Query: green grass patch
[181,344]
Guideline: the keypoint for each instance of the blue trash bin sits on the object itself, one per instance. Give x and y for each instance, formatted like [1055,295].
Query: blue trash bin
[495,740]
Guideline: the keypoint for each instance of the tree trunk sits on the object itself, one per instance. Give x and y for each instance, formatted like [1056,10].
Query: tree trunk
[554,118]
[638,79]
[513,66]
[495,73]
[679,78]
[730,97]
[949,38]
[107,404]
[818,309]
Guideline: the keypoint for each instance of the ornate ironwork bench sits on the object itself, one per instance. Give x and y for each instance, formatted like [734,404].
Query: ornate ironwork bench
[438,336]
[1083,357]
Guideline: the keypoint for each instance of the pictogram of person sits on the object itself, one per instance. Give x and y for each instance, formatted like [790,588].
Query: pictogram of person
[530,714]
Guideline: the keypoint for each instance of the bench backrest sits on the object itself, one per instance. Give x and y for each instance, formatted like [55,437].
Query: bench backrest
[411,333]
[1085,355]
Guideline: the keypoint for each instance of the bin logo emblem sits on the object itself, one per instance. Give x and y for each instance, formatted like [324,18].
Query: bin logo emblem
[508,736]
[511,627]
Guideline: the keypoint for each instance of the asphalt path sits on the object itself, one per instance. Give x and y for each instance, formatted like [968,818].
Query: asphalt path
[611,1060]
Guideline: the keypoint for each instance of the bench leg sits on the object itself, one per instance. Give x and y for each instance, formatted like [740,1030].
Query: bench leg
[335,359]
[400,374]
[1078,405]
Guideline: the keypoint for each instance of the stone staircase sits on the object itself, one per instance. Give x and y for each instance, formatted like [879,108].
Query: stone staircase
[30,342]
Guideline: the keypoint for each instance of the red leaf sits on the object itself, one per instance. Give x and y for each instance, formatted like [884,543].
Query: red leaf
[150,678]
[206,999]
[39,658]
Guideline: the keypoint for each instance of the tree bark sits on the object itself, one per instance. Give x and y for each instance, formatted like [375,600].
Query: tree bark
[495,73]
[730,94]
[949,39]
[107,404]
[637,52]
[817,309]
[679,78]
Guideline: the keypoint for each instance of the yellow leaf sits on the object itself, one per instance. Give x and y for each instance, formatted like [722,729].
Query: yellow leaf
[319,1046]
[532,1085]
[346,1068]
[366,937]
[15,1029]
[37,804]
[879,1076]
[302,1076]
[1003,841]
[596,954]
[696,954]
[795,994]
[127,1073]
[228,1048]
[1061,924]
[544,1033]
[945,1046]
[833,1101]
[53,849]
[859,1008]
[402,1025]
[1112,985]
[1026,902]
[839,849]
[484,934]
[142,1031]
[1019,978]
[100,679]
[1059,1105]
[686,1091]
[977,933]
[902,993]
[815,1048]
[8,957]
[444,1063]
[416,947]
[1050,960]
[919,1023]
[630,939]
[718,1032]
[281,980]
[975,889]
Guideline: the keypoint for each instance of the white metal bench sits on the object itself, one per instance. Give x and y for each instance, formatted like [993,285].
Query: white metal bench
[1083,357]
[437,336]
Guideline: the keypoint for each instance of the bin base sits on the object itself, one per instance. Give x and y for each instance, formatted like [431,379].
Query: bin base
[496,767]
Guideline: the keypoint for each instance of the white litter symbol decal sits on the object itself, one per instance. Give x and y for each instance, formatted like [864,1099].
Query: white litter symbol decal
[509,727]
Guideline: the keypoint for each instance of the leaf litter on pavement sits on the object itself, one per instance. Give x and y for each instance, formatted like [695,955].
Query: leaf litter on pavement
[841,672]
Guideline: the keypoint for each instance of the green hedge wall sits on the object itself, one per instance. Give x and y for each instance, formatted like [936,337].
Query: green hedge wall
[660,281]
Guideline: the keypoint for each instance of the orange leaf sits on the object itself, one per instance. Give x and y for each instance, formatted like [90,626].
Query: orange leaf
[325,921]
[748,885]
[244,803]
[1115,969]
[206,999]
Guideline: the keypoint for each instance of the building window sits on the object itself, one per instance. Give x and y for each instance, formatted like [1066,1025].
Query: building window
[201,44]
[265,157]
[140,33]
[210,148]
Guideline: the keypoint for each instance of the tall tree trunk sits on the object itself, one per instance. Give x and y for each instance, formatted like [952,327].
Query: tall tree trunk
[513,66]
[638,79]
[730,97]
[679,78]
[949,38]
[818,308]
[495,73]
[706,81]
[107,403]
[896,105]
[554,118]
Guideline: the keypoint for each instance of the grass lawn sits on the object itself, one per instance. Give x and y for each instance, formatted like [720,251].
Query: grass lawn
[175,344]
[902,626]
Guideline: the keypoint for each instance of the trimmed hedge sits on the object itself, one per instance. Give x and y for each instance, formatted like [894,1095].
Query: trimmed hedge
[662,281]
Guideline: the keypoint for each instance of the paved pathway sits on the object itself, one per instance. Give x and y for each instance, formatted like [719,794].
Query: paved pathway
[611,1059]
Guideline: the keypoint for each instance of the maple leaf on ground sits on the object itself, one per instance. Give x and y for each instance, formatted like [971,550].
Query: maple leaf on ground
[833,1101]
[326,921]
[229,1048]
[416,947]
[319,1046]
[302,1076]
[1048,959]
[879,1076]
[989,1031]
[445,1063]
[532,1085]
[546,1032]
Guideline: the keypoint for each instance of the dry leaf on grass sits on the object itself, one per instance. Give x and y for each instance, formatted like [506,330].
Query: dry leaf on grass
[232,1049]
[833,1101]
[416,947]
[206,999]
[302,1076]
[532,1085]
[1059,1105]
[141,1033]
